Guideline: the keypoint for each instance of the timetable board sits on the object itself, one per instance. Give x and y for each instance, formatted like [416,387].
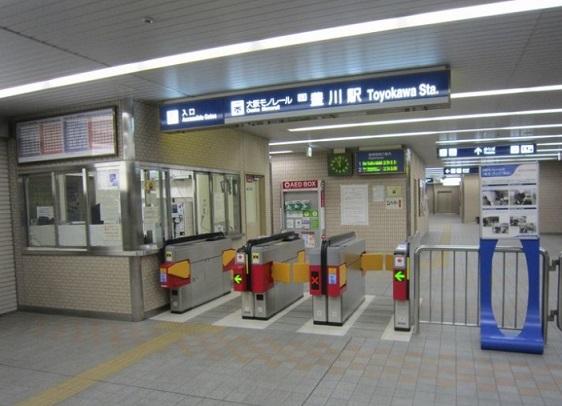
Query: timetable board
[77,135]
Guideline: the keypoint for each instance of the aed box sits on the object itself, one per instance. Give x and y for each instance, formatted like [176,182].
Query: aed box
[302,210]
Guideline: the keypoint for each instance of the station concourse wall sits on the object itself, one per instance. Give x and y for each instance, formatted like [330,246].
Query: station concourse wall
[121,286]
[387,227]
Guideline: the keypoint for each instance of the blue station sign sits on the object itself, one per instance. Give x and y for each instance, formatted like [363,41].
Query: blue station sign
[487,150]
[366,93]
[379,162]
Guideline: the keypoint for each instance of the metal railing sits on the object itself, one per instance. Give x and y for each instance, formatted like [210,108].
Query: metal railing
[446,286]
[558,264]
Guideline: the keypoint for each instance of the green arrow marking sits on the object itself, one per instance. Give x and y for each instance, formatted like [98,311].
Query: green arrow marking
[238,279]
[399,276]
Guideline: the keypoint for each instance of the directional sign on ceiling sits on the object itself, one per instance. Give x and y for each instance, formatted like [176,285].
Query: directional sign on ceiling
[487,150]
[461,170]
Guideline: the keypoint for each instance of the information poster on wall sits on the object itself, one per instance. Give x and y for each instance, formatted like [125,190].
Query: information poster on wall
[509,201]
[85,134]
[354,205]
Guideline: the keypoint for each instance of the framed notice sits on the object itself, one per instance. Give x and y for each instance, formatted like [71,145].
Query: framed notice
[509,201]
[86,134]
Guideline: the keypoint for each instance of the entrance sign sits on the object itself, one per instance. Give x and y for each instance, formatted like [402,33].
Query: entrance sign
[509,201]
[192,114]
[381,91]
[379,162]
[487,150]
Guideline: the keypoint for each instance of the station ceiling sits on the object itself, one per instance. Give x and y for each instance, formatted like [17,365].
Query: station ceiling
[45,39]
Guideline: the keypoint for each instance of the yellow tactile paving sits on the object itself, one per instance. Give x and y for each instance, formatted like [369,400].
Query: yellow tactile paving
[84,380]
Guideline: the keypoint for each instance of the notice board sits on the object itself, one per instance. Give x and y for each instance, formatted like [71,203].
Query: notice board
[509,201]
[354,205]
[77,135]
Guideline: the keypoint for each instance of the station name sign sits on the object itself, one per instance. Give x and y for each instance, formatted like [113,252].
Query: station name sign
[427,88]
[487,150]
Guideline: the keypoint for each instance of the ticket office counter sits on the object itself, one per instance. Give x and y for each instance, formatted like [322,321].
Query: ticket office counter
[94,232]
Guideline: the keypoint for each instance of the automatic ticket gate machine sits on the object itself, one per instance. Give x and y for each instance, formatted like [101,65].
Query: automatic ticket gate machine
[196,268]
[337,282]
[265,274]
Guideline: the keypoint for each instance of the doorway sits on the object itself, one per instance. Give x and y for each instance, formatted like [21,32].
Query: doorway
[255,206]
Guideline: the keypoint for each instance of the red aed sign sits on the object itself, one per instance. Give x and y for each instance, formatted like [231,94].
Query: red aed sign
[300,184]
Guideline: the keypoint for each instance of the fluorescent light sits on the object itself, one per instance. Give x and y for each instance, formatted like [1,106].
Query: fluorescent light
[494,139]
[552,157]
[549,143]
[498,92]
[308,37]
[496,157]
[426,119]
[285,151]
[550,150]
[413,134]
[451,181]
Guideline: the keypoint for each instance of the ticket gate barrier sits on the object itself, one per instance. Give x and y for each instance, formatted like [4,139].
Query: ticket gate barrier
[337,281]
[270,273]
[401,288]
[196,270]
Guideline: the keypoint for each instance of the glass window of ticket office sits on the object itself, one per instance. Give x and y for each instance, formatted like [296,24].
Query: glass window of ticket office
[82,207]
[199,203]
[74,208]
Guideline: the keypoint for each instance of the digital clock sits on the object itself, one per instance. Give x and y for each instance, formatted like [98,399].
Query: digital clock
[340,165]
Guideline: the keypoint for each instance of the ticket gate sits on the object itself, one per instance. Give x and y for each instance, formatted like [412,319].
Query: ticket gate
[195,270]
[337,282]
[261,274]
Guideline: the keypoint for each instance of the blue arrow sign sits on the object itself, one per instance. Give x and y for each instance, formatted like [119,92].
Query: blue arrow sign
[481,151]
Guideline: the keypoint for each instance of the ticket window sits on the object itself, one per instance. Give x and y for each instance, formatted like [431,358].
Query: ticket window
[71,224]
[233,203]
[219,203]
[104,203]
[255,206]
[152,206]
[203,203]
[40,210]
[182,203]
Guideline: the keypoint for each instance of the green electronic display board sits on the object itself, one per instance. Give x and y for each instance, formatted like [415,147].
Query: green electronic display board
[379,162]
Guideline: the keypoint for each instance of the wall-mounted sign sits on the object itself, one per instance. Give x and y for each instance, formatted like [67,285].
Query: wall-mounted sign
[487,150]
[379,162]
[85,134]
[340,164]
[461,170]
[300,184]
[423,88]
[509,201]
[192,114]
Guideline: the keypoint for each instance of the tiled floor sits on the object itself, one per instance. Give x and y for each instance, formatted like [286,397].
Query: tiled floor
[55,359]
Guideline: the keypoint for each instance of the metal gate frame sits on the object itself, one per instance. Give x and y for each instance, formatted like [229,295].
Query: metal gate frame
[464,250]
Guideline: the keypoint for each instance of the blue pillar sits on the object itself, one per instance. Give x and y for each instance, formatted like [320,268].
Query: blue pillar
[530,339]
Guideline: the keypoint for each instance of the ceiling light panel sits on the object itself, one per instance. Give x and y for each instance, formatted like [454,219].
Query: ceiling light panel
[426,120]
[302,38]
[418,133]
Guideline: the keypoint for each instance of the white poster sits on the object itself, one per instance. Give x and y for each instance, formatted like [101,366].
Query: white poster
[378,193]
[354,205]
[394,203]
[509,201]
